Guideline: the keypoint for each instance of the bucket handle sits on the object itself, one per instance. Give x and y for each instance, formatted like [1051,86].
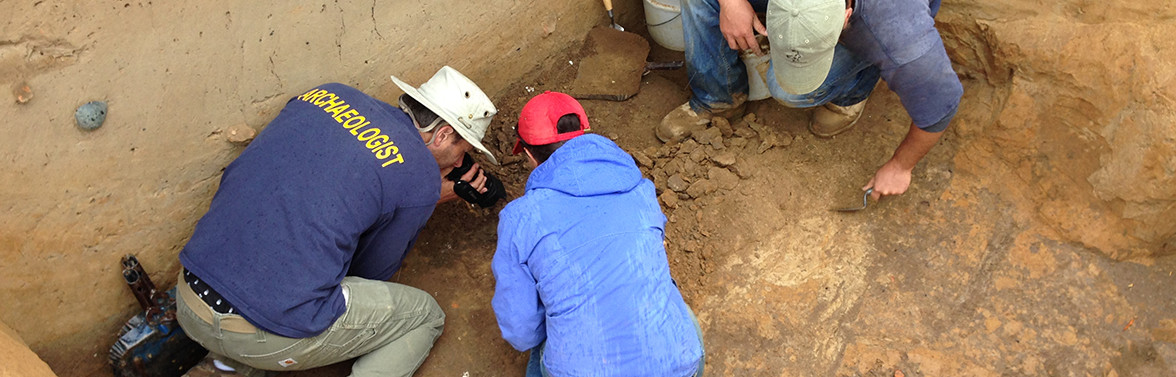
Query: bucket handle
[666,21]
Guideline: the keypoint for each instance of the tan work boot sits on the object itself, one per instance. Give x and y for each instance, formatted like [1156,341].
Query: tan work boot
[830,119]
[683,121]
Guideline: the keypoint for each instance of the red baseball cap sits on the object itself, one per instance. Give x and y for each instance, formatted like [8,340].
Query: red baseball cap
[537,121]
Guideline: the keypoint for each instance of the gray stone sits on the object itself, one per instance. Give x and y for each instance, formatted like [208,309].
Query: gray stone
[91,115]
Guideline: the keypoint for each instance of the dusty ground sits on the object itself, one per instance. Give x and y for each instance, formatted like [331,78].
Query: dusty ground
[948,279]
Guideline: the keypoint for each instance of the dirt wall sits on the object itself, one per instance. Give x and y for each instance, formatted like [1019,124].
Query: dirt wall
[180,79]
[16,359]
[1081,130]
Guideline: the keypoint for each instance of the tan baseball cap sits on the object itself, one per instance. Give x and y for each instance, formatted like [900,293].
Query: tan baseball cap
[802,35]
[457,100]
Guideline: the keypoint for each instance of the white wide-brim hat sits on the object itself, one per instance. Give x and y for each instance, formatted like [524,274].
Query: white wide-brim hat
[457,100]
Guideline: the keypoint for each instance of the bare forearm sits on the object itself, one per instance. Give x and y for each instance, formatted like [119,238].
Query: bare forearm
[894,177]
[916,145]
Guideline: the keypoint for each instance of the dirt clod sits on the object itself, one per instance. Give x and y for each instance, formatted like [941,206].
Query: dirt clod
[723,125]
[724,159]
[642,159]
[710,136]
[669,199]
[741,170]
[677,183]
[722,178]
[240,134]
[701,188]
[738,142]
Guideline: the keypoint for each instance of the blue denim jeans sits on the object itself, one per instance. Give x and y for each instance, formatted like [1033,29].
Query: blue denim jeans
[535,367]
[716,72]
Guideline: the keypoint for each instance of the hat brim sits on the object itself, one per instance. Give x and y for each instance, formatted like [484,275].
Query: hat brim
[518,147]
[445,115]
[801,79]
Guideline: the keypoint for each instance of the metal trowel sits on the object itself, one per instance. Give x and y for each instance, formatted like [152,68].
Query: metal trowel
[613,20]
[865,203]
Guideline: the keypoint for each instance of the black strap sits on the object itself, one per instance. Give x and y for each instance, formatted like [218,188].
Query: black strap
[207,294]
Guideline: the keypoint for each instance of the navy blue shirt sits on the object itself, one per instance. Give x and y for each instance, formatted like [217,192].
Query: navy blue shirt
[339,184]
[899,37]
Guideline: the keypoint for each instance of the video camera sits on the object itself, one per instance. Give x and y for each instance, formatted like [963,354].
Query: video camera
[463,189]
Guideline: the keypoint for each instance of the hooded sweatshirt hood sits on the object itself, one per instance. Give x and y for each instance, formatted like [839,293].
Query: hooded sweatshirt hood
[581,267]
[587,165]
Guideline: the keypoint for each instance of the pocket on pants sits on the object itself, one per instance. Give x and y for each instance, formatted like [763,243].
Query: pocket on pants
[277,353]
[344,339]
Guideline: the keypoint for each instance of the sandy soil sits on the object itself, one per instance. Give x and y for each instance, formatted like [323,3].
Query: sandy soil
[948,279]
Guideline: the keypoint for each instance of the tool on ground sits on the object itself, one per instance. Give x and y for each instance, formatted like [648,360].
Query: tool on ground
[152,344]
[608,7]
[463,189]
[610,66]
[660,66]
[865,203]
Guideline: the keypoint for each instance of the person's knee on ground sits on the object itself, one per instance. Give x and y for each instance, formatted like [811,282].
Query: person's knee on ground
[435,319]
[412,324]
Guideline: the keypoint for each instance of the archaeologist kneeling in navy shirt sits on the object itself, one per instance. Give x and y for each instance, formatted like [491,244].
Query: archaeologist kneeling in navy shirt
[581,273]
[287,270]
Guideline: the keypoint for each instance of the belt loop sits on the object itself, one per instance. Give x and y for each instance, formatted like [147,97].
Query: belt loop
[260,336]
[216,326]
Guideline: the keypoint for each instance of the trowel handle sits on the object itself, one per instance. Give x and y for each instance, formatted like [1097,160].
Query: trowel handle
[608,5]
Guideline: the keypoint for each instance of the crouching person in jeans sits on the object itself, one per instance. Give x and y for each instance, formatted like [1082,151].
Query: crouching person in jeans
[582,279]
[287,270]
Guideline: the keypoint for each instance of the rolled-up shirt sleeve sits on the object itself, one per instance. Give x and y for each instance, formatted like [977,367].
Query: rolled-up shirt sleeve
[516,302]
[928,88]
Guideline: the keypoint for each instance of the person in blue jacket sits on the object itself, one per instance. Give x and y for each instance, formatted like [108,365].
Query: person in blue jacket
[827,55]
[582,279]
[288,269]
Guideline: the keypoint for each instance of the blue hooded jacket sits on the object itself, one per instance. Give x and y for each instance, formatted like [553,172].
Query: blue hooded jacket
[581,264]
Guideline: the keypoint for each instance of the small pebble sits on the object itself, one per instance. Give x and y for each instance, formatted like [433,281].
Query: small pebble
[91,115]
[241,134]
[23,93]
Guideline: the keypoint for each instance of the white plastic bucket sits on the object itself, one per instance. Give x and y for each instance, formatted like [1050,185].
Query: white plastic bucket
[757,69]
[664,19]
[757,72]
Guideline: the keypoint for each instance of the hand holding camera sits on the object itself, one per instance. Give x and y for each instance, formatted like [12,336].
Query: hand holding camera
[466,191]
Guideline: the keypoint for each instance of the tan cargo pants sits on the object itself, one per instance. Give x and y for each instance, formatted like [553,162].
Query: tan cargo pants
[389,327]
